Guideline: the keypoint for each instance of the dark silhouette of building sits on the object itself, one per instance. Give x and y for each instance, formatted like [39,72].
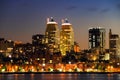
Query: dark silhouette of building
[97,38]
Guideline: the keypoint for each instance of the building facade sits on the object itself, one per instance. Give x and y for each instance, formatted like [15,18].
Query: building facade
[114,45]
[52,36]
[66,37]
[6,46]
[38,39]
[97,38]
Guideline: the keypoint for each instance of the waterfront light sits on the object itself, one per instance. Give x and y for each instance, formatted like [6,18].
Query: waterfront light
[10,56]
[50,69]
[3,70]
[60,70]
[69,62]
[118,64]
[38,58]
[70,70]
[23,70]
[43,64]
[77,70]
[13,70]
[42,70]
[89,70]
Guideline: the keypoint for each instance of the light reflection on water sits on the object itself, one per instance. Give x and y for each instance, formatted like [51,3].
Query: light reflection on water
[61,76]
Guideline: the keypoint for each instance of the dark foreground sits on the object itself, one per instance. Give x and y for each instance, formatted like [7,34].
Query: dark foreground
[59,72]
[60,76]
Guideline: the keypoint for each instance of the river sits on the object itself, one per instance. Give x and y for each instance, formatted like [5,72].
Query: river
[61,76]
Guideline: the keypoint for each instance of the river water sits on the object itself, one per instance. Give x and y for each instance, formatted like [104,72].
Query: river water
[61,76]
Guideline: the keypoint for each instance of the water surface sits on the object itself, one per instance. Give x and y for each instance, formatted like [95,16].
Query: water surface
[61,76]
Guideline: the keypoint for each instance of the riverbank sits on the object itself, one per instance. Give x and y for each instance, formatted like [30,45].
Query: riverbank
[59,72]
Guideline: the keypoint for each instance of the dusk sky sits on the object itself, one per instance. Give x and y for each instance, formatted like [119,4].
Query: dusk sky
[20,19]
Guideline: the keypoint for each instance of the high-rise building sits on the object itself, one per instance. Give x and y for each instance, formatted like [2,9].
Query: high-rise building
[66,37]
[113,38]
[97,38]
[6,46]
[118,50]
[52,36]
[114,45]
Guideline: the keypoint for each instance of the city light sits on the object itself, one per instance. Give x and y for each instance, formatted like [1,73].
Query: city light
[57,51]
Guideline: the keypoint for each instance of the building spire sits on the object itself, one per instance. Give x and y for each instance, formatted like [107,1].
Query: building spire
[110,31]
[51,19]
[66,20]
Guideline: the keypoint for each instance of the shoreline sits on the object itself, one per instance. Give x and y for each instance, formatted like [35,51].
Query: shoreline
[59,72]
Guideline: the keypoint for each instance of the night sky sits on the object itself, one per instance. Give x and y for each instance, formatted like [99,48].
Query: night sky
[20,19]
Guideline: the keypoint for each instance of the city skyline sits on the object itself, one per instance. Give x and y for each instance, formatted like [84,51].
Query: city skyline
[22,19]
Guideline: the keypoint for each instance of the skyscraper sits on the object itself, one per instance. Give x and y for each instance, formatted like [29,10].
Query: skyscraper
[66,37]
[52,36]
[114,45]
[97,38]
[113,38]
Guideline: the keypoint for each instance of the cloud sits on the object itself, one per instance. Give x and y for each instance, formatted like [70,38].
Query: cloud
[118,6]
[71,8]
[105,10]
[98,10]
[93,9]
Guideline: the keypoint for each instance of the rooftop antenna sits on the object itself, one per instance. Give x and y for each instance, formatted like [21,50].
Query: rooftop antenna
[52,19]
[66,20]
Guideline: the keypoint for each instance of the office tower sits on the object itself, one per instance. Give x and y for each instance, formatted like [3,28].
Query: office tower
[6,46]
[52,36]
[66,37]
[114,45]
[97,38]
[118,51]
[2,47]
[113,38]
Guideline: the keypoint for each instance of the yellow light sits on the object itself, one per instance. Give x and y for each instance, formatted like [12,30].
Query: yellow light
[70,70]
[50,61]
[3,70]
[69,62]
[42,69]
[23,70]
[50,69]
[43,59]
[16,67]
[38,58]
[13,70]
[43,64]
[60,70]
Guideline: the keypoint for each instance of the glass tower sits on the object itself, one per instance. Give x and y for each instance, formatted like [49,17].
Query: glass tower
[97,38]
[66,37]
[52,36]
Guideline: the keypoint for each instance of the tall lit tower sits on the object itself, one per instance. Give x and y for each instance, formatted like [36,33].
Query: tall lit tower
[97,38]
[52,36]
[66,37]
